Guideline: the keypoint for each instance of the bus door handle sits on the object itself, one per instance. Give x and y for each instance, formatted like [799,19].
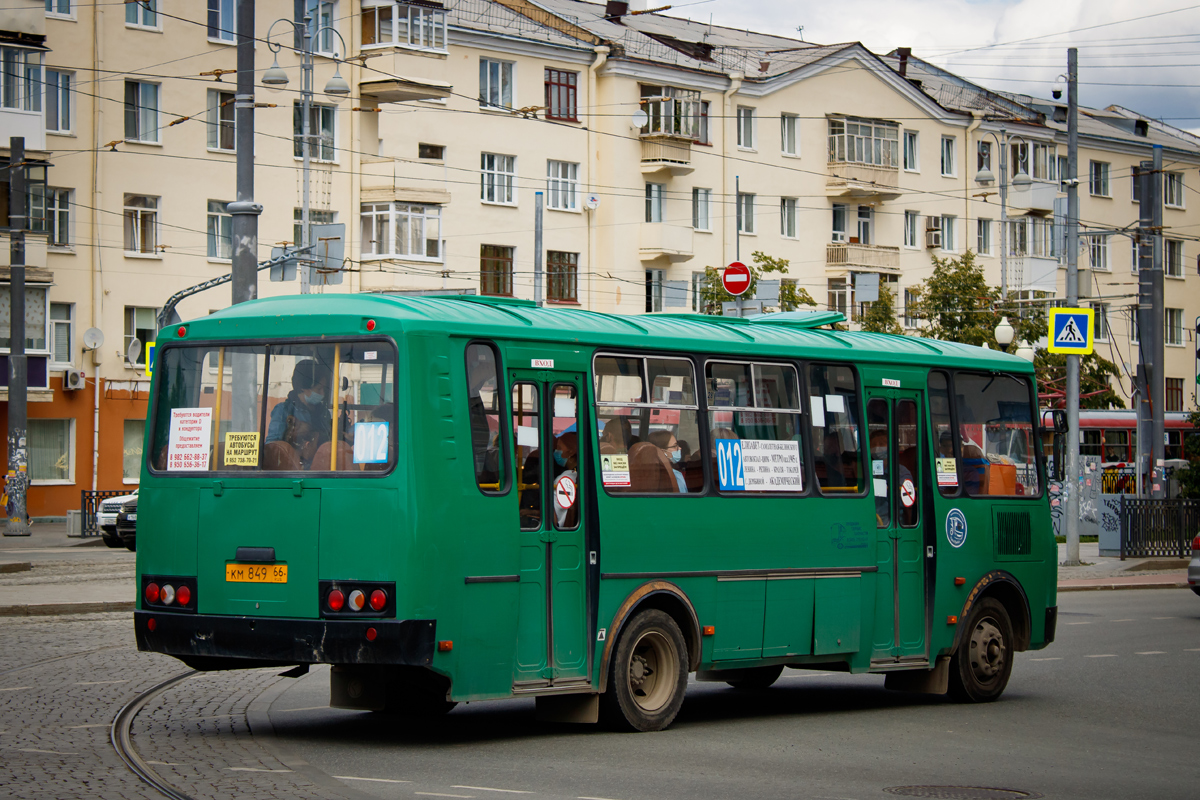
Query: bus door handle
[218,488]
[548,536]
[298,488]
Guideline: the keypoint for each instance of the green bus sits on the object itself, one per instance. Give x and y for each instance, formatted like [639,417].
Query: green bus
[468,498]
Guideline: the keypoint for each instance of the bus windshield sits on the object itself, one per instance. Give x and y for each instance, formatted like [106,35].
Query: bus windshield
[278,407]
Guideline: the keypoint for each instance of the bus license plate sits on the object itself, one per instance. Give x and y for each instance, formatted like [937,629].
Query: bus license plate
[256,573]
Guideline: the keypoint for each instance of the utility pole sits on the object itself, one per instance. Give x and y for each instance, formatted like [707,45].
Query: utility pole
[18,377]
[1073,480]
[537,248]
[1150,322]
[306,102]
[244,210]
[1003,213]
[737,231]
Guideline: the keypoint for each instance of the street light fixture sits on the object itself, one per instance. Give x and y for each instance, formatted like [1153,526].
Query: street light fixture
[1004,333]
[1025,351]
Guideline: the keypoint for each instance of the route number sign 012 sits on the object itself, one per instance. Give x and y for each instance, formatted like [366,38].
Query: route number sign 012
[736,278]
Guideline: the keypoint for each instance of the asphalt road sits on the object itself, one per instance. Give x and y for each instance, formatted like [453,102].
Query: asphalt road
[1110,710]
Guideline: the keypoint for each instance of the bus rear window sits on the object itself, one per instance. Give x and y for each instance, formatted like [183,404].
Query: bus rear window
[286,407]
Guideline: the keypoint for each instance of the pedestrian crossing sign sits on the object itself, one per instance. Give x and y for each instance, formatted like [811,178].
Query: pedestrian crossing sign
[1072,330]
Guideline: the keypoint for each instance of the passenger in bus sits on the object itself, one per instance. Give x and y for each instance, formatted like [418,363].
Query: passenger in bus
[835,476]
[669,445]
[303,420]
[566,464]
[486,457]
[619,434]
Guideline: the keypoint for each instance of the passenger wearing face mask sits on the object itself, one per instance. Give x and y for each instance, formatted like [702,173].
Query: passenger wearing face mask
[666,441]
[566,462]
[879,454]
[303,419]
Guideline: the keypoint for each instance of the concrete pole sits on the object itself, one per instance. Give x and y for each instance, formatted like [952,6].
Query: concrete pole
[1003,142]
[1157,378]
[1145,330]
[1073,478]
[18,377]
[306,142]
[537,247]
[737,231]
[244,210]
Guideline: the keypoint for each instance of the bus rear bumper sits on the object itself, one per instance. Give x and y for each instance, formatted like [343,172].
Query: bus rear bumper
[213,642]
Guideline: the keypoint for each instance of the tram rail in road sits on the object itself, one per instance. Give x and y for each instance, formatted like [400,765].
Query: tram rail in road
[123,744]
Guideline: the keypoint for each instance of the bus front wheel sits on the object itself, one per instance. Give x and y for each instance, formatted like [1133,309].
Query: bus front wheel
[648,674]
[984,660]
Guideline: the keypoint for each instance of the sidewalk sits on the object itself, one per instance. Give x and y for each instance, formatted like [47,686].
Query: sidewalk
[1099,572]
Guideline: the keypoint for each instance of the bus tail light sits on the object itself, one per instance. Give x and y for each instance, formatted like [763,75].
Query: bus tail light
[378,599]
[356,600]
[1196,543]
[336,600]
[183,594]
[169,593]
[152,593]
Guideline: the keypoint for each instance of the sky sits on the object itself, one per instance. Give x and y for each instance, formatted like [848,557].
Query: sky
[1141,54]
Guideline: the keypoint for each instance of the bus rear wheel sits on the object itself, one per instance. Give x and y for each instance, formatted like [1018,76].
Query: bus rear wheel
[756,678]
[648,674]
[984,661]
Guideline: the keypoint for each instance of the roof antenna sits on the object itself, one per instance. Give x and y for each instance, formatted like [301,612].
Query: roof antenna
[800,30]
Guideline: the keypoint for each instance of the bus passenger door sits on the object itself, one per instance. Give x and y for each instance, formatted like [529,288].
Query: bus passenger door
[548,419]
[893,421]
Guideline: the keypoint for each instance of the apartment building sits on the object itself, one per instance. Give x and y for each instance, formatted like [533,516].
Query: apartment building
[661,146]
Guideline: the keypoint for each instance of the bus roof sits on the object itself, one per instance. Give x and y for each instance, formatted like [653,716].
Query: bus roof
[780,335]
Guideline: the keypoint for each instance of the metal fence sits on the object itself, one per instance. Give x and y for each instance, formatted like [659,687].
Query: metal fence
[89,506]
[1158,527]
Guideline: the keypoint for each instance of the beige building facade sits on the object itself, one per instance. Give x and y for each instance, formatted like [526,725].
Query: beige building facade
[660,146]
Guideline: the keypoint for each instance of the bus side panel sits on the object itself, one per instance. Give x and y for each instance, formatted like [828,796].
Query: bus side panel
[168,521]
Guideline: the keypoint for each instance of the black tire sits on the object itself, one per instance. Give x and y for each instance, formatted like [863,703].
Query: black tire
[984,659]
[112,541]
[756,678]
[417,693]
[131,545]
[1195,590]
[647,676]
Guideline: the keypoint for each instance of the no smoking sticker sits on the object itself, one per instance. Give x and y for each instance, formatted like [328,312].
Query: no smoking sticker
[908,493]
[564,492]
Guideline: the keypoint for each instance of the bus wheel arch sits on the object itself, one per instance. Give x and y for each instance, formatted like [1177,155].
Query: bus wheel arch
[666,597]
[1007,590]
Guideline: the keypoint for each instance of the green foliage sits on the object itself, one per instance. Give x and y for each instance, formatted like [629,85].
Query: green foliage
[791,296]
[1189,476]
[880,316]
[958,305]
[1095,380]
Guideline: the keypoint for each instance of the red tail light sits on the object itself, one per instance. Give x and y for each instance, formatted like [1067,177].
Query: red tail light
[356,600]
[183,595]
[152,593]
[167,594]
[1196,543]
[378,599]
[336,600]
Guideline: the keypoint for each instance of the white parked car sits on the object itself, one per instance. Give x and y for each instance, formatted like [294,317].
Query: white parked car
[106,518]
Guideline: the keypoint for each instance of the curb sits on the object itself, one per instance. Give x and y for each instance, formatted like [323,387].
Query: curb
[1110,586]
[54,609]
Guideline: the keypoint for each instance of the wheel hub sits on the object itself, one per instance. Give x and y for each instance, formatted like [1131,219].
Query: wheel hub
[987,650]
[639,670]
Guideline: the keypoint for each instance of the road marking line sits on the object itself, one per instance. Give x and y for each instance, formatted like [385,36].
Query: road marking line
[593,798]
[372,780]
[1191,649]
[490,789]
[1123,620]
[93,725]
[98,683]
[52,752]
[1152,653]
[1079,623]
[310,708]
[15,688]
[1103,655]
[254,769]
[440,794]
[1162,618]
[1045,659]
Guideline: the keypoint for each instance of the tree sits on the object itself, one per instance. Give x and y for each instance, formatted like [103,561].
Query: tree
[1095,380]
[881,315]
[958,305]
[791,296]
[1189,476]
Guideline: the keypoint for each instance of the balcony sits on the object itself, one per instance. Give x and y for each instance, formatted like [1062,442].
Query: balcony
[401,91]
[869,257]
[659,240]
[666,153]
[851,179]
[1035,196]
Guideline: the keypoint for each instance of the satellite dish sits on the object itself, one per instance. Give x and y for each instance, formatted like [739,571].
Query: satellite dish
[93,339]
[135,350]
[640,118]
[592,202]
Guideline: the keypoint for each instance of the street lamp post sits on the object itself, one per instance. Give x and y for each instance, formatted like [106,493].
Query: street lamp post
[276,78]
[985,177]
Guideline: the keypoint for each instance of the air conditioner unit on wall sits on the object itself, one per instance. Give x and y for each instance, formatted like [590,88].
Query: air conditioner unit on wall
[933,237]
[74,379]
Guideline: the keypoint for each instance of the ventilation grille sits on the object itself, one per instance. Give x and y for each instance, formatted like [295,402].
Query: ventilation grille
[1013,536]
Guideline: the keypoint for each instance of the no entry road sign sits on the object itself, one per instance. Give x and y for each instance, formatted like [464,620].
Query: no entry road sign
[736,278]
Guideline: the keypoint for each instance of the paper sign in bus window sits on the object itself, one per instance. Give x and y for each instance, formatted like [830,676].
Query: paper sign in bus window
[947,472]
[241,449]
[527,436]
[189,439]
[731,473]
[370,442]
[835,404]
[614,469]
[770,465]
[818,411]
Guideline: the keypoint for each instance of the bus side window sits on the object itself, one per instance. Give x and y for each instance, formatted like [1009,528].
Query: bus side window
[944,440]
[527,462]
[995,426]
[833,403]
[483,408]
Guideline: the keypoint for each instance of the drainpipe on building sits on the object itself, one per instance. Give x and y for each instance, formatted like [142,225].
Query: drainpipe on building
[735,83]
[593,79]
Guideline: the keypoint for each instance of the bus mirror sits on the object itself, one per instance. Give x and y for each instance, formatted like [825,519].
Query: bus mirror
[1059,418]
[1059,470]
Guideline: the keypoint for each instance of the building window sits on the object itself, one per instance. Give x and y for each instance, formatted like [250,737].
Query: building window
[1100,313]
[497,178]
[1173,317]
[58,8]
[1173,264]
[562,185]
[1135,184]
[1173,189]
[1173,398]
[983,158]
[698,280]
[654,202]
[1098,253]
[745,212]
[141,324]
[58,101]
[983,237]
[433,152]
[385,22]
[838,295]
[21,81]
[787,217]
[911,219]
[949,226]
[321,14]
[912,151]
[35,317]
[910,308]
[222,121]
[864,141]
[322,123]
[1045,162]
[51,454]
[1135,333]
[654,290]
[131,459]
[495,83]
[401,230]
[789,134]
[674,112]
[701,131]
[220,231]
[866,225]
[1134,266]
[62,328]
[57,220]
[562,95]
[141,111]
[142,14]
[701,219]
[495,270]
[562,276]
[315,217]
[141,224]
[838,232]
[745,127]
[949,157]
[1020,158]
[1063,175]
[1098,183]
[1042,236]
[221,20]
